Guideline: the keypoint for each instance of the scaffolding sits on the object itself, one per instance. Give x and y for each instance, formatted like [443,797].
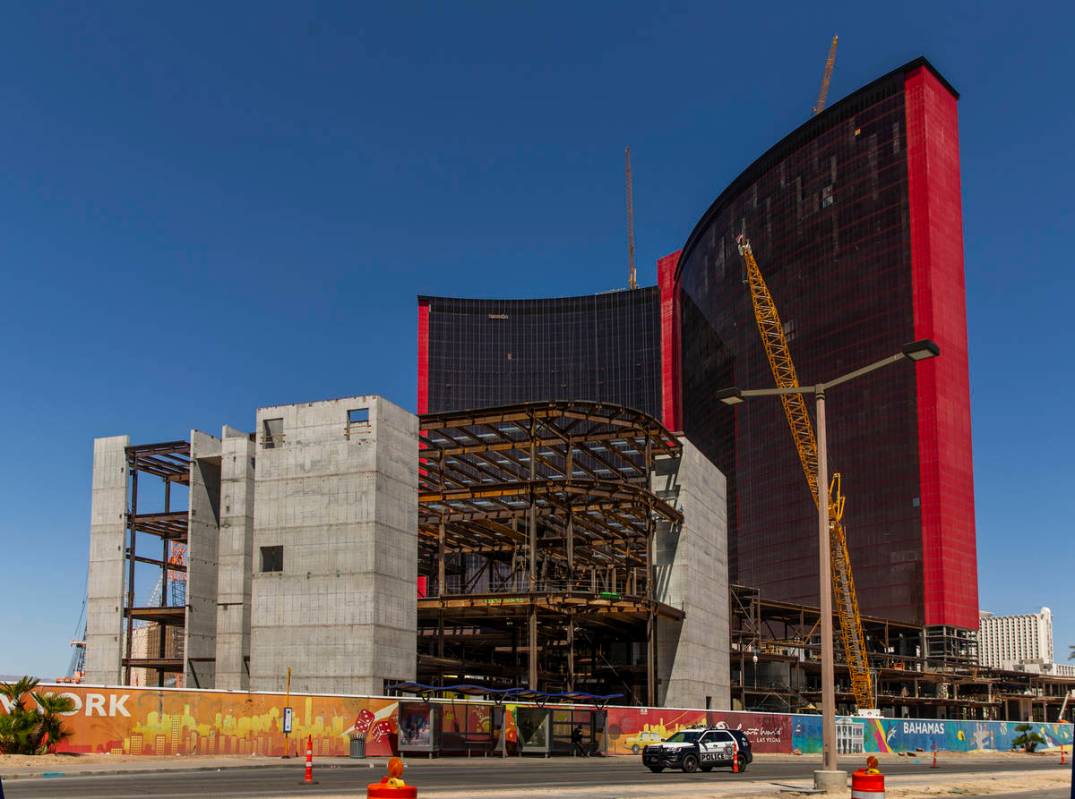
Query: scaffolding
[158,626]
[536,531]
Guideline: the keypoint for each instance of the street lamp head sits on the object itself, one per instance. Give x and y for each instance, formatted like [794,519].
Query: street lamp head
[731,396]
[921,350]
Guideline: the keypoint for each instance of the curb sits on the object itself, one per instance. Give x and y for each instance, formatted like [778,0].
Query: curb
[50,775]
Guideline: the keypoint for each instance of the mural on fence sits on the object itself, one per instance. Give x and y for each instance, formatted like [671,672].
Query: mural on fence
[631,728]
[909,735]
[145,721]
[152,721]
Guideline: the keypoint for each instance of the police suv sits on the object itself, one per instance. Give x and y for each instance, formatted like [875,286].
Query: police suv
[699,749]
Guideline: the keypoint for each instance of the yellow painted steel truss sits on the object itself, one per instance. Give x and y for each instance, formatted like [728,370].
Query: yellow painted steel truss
[845,599]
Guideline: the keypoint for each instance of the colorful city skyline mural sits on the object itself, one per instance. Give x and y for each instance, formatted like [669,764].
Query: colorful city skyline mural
[153,721]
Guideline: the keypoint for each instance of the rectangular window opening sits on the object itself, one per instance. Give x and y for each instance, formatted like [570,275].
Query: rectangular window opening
[272,434]
[358,420]
[272,559]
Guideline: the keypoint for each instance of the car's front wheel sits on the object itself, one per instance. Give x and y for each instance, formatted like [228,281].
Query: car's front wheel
[742,763]
[690,763]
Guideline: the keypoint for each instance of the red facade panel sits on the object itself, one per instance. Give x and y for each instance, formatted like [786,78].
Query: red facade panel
[949,554]
[423,356]
[670,353]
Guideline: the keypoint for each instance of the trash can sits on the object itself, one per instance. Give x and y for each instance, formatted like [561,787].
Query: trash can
[358,747]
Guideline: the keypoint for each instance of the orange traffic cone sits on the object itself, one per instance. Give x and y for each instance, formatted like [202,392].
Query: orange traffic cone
[735,756]
[1062,755]
[308,778]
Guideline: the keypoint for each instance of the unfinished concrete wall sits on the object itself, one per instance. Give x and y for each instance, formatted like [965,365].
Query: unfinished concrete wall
[234,559]
[691,565]
[335,554]
[395,548]
[202,534]
[105,581]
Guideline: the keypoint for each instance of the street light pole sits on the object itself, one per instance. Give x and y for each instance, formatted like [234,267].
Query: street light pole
[824,543]
[829,778]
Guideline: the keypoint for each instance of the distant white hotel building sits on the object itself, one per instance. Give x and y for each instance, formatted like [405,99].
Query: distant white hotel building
[1023,643]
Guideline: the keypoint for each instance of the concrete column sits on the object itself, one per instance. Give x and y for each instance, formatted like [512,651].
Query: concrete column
[203,531]
[105,582]
[395,543]
[235,559]
[691,574]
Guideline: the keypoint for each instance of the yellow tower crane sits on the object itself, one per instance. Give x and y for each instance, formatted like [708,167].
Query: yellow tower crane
[845,600]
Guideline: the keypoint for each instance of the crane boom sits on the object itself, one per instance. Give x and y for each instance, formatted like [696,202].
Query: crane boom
[775,343]
[826,77]
[632,275]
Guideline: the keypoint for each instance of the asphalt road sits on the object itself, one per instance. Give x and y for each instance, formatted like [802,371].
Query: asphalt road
[553,774]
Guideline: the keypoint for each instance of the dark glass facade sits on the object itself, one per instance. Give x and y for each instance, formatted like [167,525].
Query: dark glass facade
[477,353]
[856,222]
[832,221]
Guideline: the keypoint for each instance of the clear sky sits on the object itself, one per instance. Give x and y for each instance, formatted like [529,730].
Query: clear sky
[210,207]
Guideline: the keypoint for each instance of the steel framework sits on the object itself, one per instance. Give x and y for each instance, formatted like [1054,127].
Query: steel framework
[538,520]
[170,461]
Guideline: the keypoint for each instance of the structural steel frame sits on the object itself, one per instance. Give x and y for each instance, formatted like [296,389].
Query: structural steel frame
[541,516]
[169,461]
[907,677]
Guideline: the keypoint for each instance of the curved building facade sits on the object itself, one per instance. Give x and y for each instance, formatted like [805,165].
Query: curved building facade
[479,353]
[855,219]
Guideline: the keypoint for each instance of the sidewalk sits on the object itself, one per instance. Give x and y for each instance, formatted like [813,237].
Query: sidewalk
[13,767]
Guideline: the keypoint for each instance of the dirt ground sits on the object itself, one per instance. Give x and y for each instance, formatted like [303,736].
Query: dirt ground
[965,785]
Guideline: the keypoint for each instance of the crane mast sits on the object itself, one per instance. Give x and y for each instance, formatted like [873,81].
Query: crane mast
[632,273]
[782,366]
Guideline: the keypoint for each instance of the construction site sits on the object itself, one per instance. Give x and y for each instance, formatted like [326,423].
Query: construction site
[571,547]
[587,503]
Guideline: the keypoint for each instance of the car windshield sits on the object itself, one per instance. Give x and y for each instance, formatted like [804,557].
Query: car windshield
[684,737]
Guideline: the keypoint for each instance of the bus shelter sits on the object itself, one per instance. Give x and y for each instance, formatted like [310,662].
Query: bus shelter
[509,722]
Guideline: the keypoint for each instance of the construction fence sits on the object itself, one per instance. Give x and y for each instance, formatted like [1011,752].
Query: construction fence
[164,721]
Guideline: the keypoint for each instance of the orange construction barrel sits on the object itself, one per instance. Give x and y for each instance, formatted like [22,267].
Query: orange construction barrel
[392,786]
[867,785]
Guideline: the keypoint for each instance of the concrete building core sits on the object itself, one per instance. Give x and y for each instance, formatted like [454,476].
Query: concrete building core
[691,565]
[104,588]
[335,550]
[235,549]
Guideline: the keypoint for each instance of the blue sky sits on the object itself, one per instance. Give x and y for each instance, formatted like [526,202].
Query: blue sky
[206,208]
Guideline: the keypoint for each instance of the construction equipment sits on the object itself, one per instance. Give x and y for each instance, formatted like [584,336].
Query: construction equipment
[77,665]
[176,596]
[775,344]
[826,77]
[632,275]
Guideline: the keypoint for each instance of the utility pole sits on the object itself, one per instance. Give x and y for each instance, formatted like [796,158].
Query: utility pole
[632,276]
